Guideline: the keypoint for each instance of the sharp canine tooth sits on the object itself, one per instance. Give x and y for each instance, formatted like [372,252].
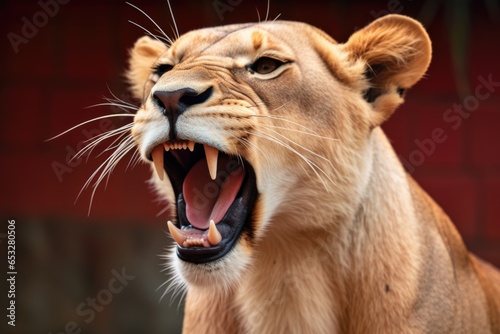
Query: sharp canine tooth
[176,234]
[191,146]
[166,146]
[212,155]
[157,156]
[213,235]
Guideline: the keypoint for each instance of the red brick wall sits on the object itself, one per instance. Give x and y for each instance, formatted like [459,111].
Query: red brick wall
[80,51]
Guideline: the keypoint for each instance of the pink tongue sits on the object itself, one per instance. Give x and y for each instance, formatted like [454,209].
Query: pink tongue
[208,199]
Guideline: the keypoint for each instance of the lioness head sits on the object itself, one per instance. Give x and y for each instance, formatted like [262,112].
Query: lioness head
[258,132]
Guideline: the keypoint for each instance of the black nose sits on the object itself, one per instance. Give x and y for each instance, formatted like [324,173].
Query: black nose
[174,103]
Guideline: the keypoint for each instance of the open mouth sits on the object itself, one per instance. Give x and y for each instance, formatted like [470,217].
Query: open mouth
[215,194]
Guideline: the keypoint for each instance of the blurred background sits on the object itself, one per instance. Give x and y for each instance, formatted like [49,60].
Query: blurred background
[101,271]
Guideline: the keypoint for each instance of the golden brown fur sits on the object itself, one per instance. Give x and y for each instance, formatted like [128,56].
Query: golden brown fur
[343,241]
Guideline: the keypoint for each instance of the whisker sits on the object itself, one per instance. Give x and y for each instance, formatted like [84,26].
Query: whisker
[123,107]
[307,130]
[115,145]
[111,133]
[117,99]
[107,167]
[88,149]
[173,20]
[110,163]
[264,105]
[165,283]
[87,122]
[121,133]
[160,39]
[314,167]
[120,101]
[267,136]
[303,132]
[112,167]
[174,284]
[173,30]
[301,146]
[248,143]
[306,149]
[97,139]
[153,21]
[267,12]
[285,120]
[134,160]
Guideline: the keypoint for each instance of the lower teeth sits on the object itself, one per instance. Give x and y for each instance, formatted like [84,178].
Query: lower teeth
[212,237]
[196,242]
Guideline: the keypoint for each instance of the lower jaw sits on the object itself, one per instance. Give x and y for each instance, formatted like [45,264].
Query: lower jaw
[216,277]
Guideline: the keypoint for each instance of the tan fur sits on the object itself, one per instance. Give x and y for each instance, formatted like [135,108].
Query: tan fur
[344,240]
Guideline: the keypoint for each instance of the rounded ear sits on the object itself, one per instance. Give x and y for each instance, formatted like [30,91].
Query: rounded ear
[396,51]
[143,55]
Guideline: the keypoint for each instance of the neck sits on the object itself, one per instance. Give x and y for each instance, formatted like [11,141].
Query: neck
[383,245]
[324,273]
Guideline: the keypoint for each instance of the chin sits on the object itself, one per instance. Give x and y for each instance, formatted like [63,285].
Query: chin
[218,276]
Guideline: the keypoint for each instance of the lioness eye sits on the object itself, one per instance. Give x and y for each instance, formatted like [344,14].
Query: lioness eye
[160,69]
[265,65]
[157,71]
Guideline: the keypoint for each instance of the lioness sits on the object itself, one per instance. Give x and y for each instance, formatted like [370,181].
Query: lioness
[293,213]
